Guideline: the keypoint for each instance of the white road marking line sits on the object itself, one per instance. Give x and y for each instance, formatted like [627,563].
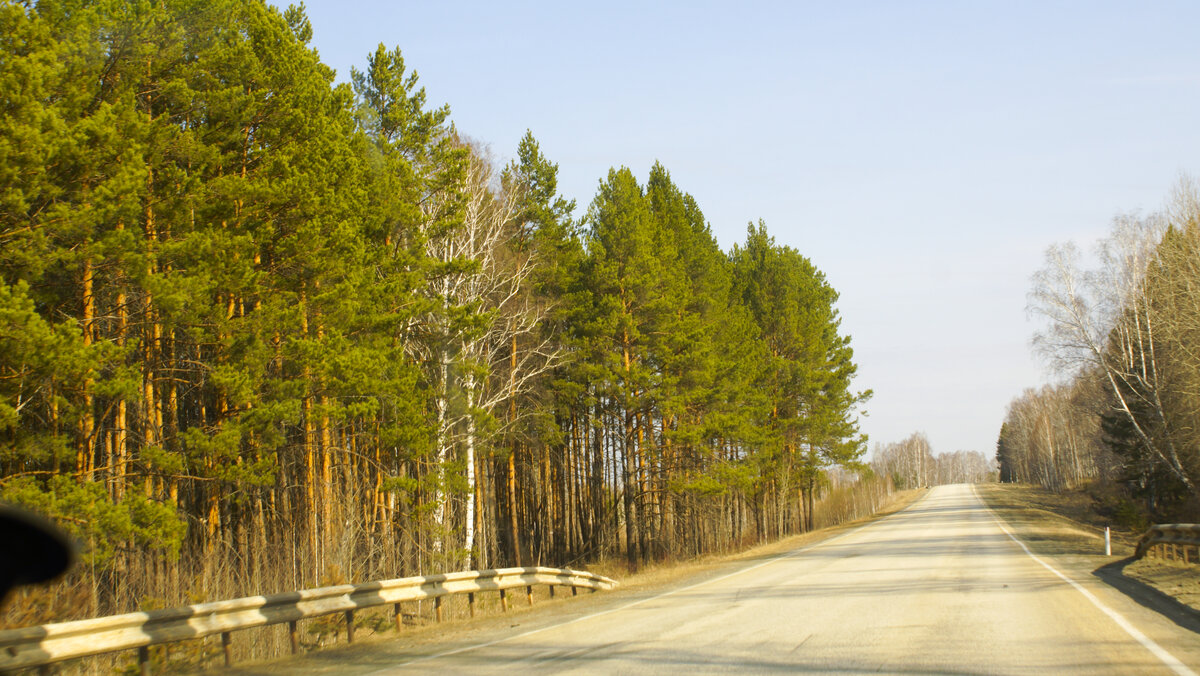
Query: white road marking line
[393,669]
[1167,658]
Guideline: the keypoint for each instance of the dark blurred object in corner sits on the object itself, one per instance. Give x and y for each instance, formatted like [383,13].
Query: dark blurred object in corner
[31,549]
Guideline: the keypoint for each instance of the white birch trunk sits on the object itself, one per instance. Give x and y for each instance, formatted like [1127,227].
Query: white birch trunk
[470,448]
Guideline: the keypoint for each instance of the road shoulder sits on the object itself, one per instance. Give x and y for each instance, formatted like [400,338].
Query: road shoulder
[372,652]
[1051,527]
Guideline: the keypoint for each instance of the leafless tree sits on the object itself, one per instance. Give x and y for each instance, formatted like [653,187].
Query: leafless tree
[909,462]
[483,345]
[1106,319]
[1051,438]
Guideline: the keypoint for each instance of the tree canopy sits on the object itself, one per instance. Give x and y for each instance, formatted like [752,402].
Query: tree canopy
[261,331]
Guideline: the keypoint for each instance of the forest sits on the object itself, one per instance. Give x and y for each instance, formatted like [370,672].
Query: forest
[1121,327]
[911,463]
[261,330]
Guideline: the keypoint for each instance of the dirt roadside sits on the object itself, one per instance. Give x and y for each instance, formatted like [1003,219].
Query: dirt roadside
[1065,525]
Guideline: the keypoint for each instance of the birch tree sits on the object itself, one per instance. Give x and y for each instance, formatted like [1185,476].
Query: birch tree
[508,353]
[1106,319]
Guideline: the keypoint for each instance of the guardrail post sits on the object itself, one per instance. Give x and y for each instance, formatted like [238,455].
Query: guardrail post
[437,608]
[144,660]
[227,648]
[551,590]
[504,600]
[574,590]
[293,638]
[529,593]
[349,626]
[399,617]
[471,602]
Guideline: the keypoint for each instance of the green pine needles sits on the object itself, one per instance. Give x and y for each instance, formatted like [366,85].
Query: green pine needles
[260,331]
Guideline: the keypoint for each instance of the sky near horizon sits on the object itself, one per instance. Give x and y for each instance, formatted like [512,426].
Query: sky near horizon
[922,154]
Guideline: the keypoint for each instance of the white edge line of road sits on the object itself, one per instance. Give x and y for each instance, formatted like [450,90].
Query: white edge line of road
[584,618]
[1148,643]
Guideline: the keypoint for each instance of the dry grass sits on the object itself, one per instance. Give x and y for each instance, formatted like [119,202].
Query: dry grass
[1068,524]
[1055,523]
[420,627]
[655,575]
[1178,580]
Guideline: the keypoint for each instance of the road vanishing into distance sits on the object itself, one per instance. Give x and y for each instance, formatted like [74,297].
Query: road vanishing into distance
[937,588]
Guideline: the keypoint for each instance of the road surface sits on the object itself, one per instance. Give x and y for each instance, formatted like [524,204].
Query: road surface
[938,588]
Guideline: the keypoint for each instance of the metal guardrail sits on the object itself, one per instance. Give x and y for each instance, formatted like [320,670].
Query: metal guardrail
[49,643]
[1186,534]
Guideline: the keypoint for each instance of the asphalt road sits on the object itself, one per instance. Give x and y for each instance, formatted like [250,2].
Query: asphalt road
[938,588]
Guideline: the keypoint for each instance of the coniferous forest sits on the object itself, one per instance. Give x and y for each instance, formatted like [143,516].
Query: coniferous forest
[262,331]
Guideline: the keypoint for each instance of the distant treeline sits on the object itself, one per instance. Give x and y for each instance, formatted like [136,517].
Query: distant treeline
[260,331]
[1126,333]
[911,464]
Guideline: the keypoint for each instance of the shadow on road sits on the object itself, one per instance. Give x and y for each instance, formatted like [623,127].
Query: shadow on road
[1114,576]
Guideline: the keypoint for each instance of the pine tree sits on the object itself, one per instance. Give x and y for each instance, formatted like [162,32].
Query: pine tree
[811,418]
[425,170]
[540,424]
[625,281]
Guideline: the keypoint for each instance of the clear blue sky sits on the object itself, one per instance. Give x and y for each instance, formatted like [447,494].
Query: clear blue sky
[923,155]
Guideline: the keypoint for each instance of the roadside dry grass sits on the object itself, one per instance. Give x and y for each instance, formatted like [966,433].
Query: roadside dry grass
[420,628]
[653,575]
[1055,523]
[1180,581]
[1067,525]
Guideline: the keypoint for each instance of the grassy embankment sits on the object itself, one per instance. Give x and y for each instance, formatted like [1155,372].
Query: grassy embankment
[1069,525]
